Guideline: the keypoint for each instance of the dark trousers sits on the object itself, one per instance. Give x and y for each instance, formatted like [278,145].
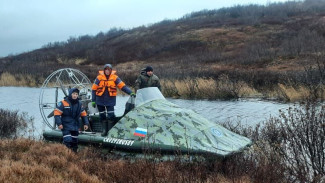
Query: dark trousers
[106,112]
[70,139]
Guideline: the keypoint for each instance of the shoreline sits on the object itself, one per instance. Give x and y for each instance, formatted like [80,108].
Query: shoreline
[281,94]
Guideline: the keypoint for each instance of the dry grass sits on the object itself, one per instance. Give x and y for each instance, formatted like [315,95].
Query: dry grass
[189,88]
[24,160]
[267,160]
[133,67]
[7,79]
[289,93]
[207,88]
[224,88]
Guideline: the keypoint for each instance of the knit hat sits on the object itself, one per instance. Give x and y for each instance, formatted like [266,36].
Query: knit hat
[108,65]
[149,68]
[73,90]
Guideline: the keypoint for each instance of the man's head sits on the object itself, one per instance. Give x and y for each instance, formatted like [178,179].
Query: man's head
[149,70]
[108,69]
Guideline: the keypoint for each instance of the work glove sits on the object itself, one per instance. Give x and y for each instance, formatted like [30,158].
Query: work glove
[133,94]
[93,104]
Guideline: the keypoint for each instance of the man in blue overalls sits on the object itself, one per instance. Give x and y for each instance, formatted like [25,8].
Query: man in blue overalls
[67,115]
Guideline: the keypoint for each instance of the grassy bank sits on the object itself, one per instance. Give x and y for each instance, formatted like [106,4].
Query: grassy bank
[25,160]
[7,79]
[223,87]
[287,148]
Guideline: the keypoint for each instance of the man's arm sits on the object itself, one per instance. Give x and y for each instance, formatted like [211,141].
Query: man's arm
[57,115]
[84,119]
[93,90]
[159,86]
[137,84]
[121,85]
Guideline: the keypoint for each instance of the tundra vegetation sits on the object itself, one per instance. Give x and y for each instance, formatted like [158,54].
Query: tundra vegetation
[273,51]
[270,51]
[13,124]
[286,148]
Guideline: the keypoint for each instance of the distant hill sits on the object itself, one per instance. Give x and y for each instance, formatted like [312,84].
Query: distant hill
[254,43]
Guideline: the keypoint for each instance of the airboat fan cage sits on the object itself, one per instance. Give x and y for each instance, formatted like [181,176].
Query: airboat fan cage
[56,87]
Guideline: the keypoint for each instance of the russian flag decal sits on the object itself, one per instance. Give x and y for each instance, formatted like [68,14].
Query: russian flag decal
[141,132]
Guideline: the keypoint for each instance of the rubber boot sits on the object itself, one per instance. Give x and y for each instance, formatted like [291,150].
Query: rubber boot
[105,128]
[110,124]
[67,144]
[74,147]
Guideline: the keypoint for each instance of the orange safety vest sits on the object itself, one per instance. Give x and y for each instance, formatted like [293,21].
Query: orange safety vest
[107,83]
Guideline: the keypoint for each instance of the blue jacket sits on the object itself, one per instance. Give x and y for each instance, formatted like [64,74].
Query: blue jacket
[68,114]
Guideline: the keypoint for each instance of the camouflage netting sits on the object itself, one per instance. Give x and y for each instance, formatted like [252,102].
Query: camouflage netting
[171,125]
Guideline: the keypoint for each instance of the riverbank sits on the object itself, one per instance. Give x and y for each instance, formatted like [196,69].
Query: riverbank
[26,160]
[205,88]
[31,160]
[268,160]
[225,89]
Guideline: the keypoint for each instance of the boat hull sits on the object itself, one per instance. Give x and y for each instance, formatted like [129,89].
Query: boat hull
[125,145]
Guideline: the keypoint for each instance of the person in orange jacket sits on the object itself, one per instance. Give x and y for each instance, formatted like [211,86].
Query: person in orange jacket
[104,91]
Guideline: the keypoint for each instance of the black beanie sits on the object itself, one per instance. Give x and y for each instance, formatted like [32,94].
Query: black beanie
[149,68]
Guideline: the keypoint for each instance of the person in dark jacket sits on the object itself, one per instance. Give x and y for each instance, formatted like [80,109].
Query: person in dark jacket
[67,115]
[147,79]
[104,91]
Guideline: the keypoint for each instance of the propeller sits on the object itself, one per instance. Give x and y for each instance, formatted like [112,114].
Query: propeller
[65,93]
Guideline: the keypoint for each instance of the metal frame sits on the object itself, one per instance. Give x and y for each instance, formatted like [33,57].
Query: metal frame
[61,80]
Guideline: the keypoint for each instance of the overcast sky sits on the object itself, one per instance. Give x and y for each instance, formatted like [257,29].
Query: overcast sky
[26,25]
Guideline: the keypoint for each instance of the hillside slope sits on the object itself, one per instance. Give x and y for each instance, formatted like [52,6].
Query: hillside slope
[262,46]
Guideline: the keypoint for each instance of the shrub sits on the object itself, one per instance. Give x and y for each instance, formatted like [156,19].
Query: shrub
[288,148]
[11,122]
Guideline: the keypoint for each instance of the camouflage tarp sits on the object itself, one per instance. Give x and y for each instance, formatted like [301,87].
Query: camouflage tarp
[171,127]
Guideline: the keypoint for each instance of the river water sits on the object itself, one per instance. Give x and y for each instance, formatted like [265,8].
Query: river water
[247,111]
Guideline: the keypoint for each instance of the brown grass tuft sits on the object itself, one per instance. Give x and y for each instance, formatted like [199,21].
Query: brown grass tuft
[207,88]
[24,160]
[289,93]
[7,79]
